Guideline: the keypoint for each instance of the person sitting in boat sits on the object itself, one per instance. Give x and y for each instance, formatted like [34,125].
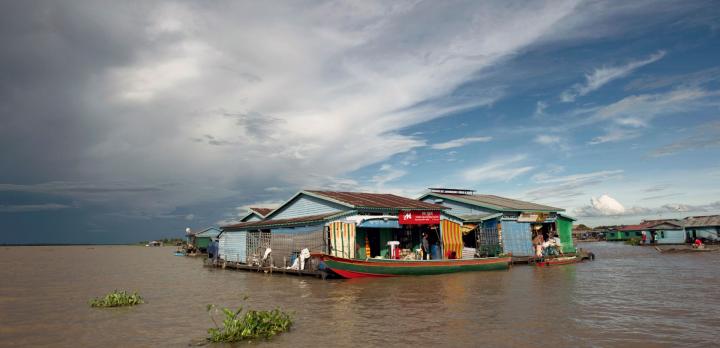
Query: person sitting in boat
[557,244]
[698,244]
[425,246]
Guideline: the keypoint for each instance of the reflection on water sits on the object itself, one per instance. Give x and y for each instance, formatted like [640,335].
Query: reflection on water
[629,296]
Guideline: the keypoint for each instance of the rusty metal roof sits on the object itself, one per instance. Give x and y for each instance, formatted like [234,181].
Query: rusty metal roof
[497,202]
[262,211]
[650,224]
[376,200]
[250,225]
[702,221]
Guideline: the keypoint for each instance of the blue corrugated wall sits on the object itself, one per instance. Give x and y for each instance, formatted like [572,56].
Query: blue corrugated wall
[516,238]
[233,246]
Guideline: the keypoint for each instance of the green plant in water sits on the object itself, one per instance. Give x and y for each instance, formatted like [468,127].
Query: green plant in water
[117,299]
[247,325]
[633,241]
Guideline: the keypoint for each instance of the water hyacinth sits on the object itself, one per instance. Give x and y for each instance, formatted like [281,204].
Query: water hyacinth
[117,299]
[239,326]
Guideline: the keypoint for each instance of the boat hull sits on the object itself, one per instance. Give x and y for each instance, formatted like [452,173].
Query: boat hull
[559,261]
[348,268]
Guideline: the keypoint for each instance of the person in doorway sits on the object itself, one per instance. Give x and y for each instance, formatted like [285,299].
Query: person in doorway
[538,244]
[644,237]
[425,246]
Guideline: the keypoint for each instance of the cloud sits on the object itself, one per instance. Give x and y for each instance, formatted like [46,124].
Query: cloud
[608,206]
[540,107]
[504,169]
[460,142]
[615,135]
[545,139]
[568,186]
[704,136]
[28,208]
[387,174]
[627,117]
[601,76]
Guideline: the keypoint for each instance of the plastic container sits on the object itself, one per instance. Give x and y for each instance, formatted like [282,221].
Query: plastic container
[435,252]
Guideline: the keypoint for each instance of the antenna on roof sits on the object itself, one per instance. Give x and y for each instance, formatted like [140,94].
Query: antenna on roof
[451,191]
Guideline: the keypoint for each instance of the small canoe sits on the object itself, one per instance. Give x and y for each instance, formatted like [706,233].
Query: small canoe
[684,249]
[555,261]
[350,268]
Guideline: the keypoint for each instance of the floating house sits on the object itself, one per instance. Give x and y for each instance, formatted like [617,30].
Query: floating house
[502,225]
[703,227]
[656,232]
[234,246]
[354,225]
[202,239]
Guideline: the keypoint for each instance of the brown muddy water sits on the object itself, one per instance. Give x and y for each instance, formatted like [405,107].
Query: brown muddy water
[629,296]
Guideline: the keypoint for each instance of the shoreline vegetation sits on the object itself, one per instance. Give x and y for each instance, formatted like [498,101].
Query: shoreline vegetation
[117,299]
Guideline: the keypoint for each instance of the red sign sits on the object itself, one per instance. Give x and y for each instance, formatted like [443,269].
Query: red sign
[419,217]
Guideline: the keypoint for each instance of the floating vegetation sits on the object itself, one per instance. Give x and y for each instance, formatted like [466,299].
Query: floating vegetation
[117,299]
[633,241]
[251,324]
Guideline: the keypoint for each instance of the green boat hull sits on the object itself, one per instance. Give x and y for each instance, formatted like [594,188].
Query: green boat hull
[349,268]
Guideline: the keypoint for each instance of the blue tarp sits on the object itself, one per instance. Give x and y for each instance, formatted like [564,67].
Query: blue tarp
[380,223]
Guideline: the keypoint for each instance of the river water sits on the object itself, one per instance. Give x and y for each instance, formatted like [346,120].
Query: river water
[628,296]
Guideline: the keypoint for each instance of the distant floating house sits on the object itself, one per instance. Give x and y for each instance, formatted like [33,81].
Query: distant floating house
[347,224]
[666,231]
[234,246]
[202,239]
[503,223]
[703,227]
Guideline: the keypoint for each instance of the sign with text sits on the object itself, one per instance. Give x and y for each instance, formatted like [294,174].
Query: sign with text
[419,217]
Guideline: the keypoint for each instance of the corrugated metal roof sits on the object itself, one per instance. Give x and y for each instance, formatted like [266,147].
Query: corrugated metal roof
[479,217]
[702,221]
[262,211]
[211,232]
[499,203]
[649,224]
[376,200]
[277,222]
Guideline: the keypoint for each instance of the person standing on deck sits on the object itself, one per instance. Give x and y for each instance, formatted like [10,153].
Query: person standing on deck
[425,246]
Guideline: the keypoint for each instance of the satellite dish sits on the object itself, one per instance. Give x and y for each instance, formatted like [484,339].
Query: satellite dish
[187,230]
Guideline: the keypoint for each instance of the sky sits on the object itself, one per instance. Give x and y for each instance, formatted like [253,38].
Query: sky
[129,121]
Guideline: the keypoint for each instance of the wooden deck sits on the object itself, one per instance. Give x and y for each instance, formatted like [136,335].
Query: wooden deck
[266,269]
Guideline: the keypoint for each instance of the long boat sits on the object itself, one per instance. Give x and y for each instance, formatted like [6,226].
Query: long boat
[566,260]
[351,268]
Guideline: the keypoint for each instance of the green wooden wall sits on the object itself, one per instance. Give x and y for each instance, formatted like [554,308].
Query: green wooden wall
[564,227]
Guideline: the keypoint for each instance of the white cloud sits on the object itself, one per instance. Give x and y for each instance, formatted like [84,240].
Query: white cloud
[626,118]
[608,206]
[387,174]
[540,107]
[460,142]
[567,186]
[545,139]
[601,76]
[504,169]
[295,96]
[189,217]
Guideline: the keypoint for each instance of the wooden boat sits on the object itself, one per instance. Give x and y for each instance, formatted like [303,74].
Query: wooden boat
[562,260]
[684,249]
[350,268]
